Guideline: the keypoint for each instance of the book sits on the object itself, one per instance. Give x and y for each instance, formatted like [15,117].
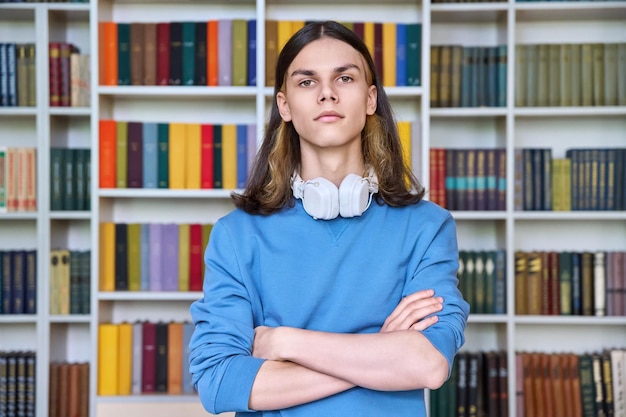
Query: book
[108,359]
[225,51]
[150,52]
[125,356]
[148,357]
[163,53]
[239,52]
[161,355]
[107,256]
[175,358]
[136,53]
[175,53]
[188,53]
[183,256]
[123,53]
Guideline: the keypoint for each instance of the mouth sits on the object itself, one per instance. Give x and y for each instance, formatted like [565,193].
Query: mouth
[328,116]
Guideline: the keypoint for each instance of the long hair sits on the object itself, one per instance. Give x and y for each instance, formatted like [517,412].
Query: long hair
[268,189]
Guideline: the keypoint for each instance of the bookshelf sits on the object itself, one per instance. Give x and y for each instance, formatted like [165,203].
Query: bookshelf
[75,337]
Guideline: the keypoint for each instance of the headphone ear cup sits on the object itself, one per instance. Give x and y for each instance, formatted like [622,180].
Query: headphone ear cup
[320,198]
[353,196]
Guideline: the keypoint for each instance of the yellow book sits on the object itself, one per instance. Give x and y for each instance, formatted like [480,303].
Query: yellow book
[404,131]
[229,156]
[175,358]
[193,156]
[368,36]
[55,302]
[121,154]
[108,359]
[133,243]
[206,234]
[285,28]
[177,153]
[125,359]
[296,25]
[107,256]
[390,48]
[183,257]
[64,281]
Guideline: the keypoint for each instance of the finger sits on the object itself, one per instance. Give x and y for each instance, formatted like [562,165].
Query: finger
[426,323]
[414,310]
[409,299]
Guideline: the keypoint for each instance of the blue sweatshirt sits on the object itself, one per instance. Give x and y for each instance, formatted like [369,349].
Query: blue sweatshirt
[343,275]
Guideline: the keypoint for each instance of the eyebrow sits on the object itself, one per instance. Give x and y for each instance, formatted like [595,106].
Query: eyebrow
[340,69]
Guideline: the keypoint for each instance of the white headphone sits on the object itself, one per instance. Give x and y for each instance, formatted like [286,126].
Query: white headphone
[323,200]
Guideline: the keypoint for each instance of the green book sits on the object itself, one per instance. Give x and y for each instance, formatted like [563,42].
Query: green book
[188,53]
[69,190]
[134,256]
[575,75]
[621,74]
[217,157]
[163,132]
[586,74]
[123,54]
[75,282]
[597,53]
[121,154]
[57,183]
[565,75]
[480,283]
[565,279]
[520,75]
[543,75]
[414,53]
[610,74]
[240,52]
[532,51]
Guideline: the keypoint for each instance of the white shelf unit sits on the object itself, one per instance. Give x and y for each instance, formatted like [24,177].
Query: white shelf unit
[74,338]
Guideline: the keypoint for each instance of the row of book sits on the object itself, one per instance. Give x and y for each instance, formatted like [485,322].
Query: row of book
[468,179]
[17,383]
[144,357]
[70,281]
[17,74]
[175,155]
[395,48]
[478,386]
[18,281]
[44,1]
[18,179]
[152,257]
[585,179]
[557,74]
[217,52]
[468,76]
[69,75]
[68,389]
[568,384]
[70,179]
[482,280]
[580,283]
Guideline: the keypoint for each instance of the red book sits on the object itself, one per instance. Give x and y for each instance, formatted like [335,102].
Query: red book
[358,28]
[65,76]
[206,133]
[55,73]
[212,52]
[195,257]
[107,152]
[163,53]
[148,359]
[378,49]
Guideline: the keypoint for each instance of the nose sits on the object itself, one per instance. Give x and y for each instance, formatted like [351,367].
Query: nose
[327,92]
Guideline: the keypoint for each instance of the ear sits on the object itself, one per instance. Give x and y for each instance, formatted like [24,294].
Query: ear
[283,107]
[372,99]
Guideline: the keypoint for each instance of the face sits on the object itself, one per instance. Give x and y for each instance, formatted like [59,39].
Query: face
[327,97]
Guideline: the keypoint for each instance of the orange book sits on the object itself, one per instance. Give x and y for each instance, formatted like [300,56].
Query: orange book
[212,53]
[206,159]
[107,256]
[229,156]
[176,157]
[389,54]
[107,161]
[108,53]
[31,179]
[368,36]
[193,156]
[175,358]
[284,33]
[183,256]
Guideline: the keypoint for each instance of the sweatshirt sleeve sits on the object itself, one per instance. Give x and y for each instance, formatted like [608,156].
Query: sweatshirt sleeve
[220,358]
[437,269]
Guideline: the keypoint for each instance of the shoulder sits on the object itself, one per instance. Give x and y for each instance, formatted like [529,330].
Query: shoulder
[424,211]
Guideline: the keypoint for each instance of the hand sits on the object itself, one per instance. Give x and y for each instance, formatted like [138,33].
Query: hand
[265,345]
[412,311]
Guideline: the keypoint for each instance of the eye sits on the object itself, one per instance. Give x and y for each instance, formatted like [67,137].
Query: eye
[305,83]
[345,78]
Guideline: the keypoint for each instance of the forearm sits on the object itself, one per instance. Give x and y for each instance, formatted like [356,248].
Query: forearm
[390,361]
[281,385]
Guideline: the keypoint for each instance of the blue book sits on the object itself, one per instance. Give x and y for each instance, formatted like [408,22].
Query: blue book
[225,52]
[5,281]
[144,253]
[491,75]
[4,77]
[466,77]
[188,387]
[252,145]
[252,52]
[18,287]
[401,70]
[11,60]
[150,155]
[242,155]
[576,284]
[502,73]
[169,257]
